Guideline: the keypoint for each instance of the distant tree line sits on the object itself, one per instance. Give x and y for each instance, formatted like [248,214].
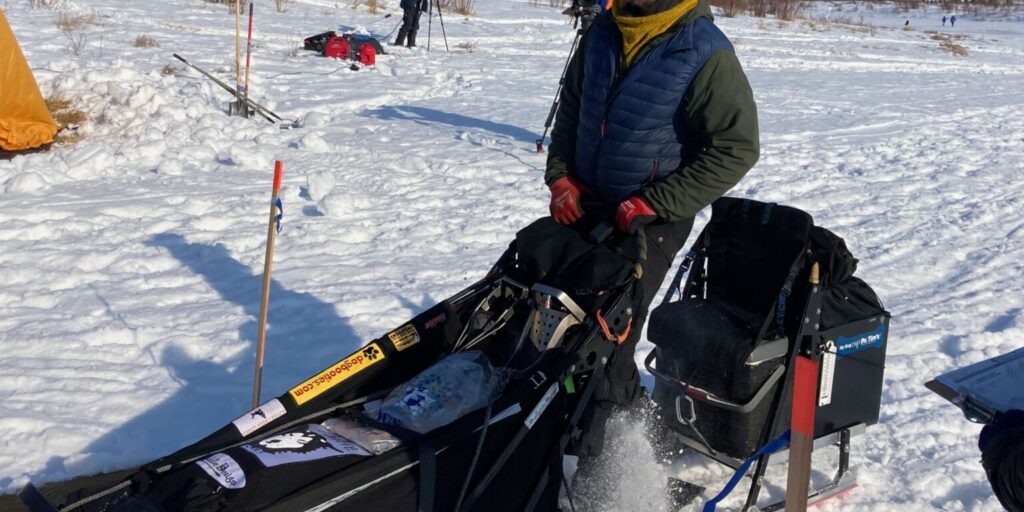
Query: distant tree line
[973,6]
[790,9]
[781,9]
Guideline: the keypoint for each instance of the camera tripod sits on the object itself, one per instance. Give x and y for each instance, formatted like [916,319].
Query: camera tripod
[430,21]
[583,13]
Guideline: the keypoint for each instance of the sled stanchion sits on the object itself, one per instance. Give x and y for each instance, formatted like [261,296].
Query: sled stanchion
[261,336]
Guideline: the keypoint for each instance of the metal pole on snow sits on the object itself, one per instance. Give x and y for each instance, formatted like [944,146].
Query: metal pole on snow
[261,336]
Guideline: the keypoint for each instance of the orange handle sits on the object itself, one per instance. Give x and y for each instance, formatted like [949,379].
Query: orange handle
[618,339]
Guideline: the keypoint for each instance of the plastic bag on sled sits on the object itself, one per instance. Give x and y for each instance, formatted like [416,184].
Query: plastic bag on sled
[453,387]
[371,439]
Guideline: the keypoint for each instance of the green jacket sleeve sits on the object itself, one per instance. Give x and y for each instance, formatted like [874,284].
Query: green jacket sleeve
[720,107]
[562,150]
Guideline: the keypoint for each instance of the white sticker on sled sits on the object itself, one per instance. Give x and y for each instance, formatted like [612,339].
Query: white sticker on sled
[828,371]
[302,444]
[259,417]
[543,404]
[222,468]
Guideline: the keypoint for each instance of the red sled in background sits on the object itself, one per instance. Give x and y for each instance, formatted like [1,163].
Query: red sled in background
[351,47]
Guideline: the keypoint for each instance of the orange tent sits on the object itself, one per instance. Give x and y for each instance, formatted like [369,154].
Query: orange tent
[24,120]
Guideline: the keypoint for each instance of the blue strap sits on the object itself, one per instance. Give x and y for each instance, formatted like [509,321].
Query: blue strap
[280,213]
[773,446]
[780,307]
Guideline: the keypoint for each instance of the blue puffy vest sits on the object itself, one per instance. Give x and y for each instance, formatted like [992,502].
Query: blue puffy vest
[632,133]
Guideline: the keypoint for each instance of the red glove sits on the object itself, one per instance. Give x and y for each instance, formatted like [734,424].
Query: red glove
[634,213]
[565,200]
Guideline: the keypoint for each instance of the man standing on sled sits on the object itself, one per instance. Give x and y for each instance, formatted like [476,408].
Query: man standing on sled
[656,121]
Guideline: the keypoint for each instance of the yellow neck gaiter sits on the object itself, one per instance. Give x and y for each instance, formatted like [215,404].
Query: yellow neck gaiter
[638,30]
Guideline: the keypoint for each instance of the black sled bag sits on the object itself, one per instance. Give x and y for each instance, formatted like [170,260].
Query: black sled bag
[733,329]
[318,42]
[280,458]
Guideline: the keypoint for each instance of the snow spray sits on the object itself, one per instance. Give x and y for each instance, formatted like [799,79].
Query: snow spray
[627,477]
[272,228]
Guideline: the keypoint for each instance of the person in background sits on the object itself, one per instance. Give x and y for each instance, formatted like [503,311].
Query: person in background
[952,21]
[410,21]
[943,21]
[906,24]
[1002,456]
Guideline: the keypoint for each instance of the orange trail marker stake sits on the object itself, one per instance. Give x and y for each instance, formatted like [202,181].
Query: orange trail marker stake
[261,337]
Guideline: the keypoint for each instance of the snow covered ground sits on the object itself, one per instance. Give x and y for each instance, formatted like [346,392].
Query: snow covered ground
[132,259]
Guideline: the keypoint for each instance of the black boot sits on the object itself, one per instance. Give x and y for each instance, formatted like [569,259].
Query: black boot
[400,40]
[412,39]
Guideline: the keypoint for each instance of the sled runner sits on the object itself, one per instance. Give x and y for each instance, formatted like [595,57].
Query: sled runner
[764,286]
[530,324]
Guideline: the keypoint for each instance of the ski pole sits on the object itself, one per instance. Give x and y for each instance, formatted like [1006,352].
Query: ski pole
[261,336]
[430,21]
[558,93]
[248,55]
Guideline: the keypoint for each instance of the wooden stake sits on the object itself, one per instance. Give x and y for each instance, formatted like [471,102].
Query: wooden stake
[801,440]
[248,54]
[238,45]
[261,336]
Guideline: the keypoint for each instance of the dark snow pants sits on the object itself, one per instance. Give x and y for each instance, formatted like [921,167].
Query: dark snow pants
[622,380]
[410,25]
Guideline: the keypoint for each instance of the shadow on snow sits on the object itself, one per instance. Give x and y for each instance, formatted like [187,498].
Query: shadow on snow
[429,116]
[304,336]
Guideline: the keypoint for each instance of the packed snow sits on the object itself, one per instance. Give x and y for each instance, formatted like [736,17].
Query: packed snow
[132,259]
